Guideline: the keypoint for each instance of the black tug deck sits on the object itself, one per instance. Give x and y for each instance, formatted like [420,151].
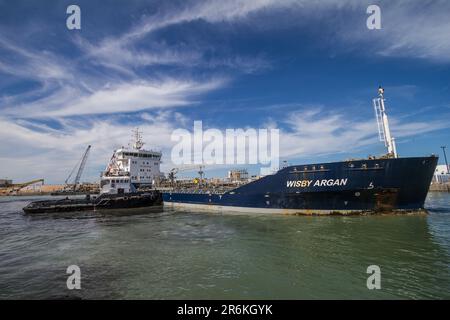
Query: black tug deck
[102,202]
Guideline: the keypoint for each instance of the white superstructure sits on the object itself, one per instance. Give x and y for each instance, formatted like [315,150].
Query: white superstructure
[131,167]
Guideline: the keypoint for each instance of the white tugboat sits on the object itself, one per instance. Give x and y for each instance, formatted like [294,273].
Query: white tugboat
[127,183]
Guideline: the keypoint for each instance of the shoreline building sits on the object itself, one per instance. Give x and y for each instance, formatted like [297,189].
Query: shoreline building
[441,174]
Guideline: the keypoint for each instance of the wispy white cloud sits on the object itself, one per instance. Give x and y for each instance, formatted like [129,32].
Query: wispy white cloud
[411,31]
[409,28]
[210,10]
[414,29]
[29,64]
[121,98]
[120,52]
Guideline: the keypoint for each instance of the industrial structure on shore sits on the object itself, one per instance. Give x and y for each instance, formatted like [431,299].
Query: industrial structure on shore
[441,179]
[37,187]
[7,187]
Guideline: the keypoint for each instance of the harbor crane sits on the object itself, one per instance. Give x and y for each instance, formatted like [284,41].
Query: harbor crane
[82,163]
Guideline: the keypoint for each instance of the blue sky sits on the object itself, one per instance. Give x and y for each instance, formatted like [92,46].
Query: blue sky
[310,69]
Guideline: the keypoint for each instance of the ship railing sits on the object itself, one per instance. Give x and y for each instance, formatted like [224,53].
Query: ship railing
[199,191]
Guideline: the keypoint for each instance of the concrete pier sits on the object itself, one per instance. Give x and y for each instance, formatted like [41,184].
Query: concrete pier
[440,187]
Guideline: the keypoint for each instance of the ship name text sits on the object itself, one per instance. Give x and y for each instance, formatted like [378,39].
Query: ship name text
[316,183]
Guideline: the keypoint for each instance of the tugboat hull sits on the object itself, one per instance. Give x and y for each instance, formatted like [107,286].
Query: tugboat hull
[125,201]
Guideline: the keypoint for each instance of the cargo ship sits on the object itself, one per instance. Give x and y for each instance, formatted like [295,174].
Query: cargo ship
[127,183]
[377,184]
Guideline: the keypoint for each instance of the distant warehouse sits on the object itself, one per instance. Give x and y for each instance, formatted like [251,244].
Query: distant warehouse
[5,182]
[441,174]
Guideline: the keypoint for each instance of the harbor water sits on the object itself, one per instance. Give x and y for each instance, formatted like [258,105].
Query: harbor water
[189,255]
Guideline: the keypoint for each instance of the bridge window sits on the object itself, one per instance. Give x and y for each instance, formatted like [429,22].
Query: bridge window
[104,182]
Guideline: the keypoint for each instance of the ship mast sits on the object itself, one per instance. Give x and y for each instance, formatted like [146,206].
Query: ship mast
[383,124]
[138,143]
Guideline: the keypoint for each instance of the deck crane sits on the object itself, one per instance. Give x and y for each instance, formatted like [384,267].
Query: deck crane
[174,171]
[80,170]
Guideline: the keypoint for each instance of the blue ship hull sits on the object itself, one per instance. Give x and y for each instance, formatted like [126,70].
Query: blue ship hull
[345,187]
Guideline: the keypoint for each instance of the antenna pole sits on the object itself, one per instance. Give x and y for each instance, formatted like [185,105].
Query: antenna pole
[201,172]
[138,143]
